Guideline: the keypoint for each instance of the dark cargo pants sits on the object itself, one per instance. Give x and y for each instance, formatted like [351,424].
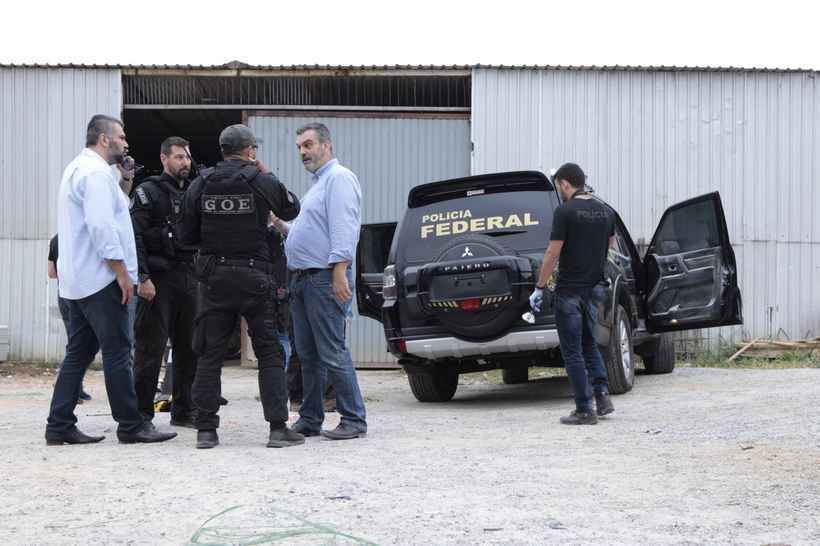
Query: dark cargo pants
[230,291]
[170,313]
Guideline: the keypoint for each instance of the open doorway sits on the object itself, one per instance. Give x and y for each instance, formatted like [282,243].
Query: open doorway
[146,129]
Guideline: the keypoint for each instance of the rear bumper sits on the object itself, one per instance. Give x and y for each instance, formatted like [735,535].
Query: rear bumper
[514,342]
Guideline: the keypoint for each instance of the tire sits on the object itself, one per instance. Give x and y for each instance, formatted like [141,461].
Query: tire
[482,325]
[434,385]
[619,358]
[513,376]
[662,358]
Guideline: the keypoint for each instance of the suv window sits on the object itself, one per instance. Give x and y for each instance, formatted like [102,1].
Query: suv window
[520,220]
[687,229]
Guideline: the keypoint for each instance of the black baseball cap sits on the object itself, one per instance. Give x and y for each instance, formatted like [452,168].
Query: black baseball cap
[235,138]
[572,173]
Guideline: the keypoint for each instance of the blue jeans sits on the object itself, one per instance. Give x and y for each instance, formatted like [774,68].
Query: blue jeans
[576,311]
[319,332]
[284,339]
[97,322]
[65,313]
[132,315]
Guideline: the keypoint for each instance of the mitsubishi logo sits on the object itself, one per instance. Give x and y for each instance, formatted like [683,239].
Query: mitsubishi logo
[467,252]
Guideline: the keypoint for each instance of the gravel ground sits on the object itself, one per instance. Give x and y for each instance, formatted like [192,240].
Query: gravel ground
[718,456]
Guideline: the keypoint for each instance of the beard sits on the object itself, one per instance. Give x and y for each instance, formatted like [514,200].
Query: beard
[115,157]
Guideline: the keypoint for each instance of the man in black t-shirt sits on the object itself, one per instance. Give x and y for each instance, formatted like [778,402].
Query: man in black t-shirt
[582,232]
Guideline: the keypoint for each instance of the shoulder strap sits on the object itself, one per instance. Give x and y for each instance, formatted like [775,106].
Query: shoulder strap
[249,173]
[146,192]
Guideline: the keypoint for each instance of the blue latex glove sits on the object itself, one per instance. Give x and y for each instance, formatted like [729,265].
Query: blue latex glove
[536,298]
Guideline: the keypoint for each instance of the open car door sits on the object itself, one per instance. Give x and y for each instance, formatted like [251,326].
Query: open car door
[690,272]
[371,259]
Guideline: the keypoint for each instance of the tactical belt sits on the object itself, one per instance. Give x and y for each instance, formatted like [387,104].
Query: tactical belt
[261,265]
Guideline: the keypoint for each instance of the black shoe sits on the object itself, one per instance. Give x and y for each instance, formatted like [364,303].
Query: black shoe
[147,434]
[206,439]
[300,428]
[603,405]
[343,432]
[84,395]
[223,401]
[71,436]
[183,421]
[580,418]
[284,437]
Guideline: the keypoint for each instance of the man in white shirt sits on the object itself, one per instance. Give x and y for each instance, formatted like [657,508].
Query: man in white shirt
[97,270]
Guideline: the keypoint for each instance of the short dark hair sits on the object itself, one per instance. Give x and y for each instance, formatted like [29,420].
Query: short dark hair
[99,124]
[165,147]
[572,173]
[321,131]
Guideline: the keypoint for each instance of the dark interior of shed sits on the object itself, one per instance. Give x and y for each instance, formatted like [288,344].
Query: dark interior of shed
[146,129]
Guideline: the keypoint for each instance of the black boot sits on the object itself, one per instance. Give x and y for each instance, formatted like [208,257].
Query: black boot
[580,418]
[206,439]
[284,437]
[603,405]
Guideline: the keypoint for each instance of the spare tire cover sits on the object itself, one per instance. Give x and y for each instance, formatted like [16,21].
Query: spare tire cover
[483,324]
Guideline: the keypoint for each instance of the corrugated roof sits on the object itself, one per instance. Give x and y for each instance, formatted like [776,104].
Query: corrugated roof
[238,65]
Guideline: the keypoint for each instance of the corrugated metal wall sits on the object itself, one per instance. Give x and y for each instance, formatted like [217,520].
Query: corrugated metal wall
[649,139]
[43,115]
[389,156]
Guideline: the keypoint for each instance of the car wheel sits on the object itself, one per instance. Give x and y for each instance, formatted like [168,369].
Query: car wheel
[486,323]
[619,358]
[511,376]
[662,358]
[437,385]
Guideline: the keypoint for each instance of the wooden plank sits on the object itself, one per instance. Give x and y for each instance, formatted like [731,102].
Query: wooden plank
[742,350]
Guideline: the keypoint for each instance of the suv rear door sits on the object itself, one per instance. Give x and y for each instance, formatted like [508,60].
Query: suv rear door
[372,255]
[690,273]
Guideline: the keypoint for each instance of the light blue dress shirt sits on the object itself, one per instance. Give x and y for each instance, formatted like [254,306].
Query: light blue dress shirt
[327,228]
[94,225]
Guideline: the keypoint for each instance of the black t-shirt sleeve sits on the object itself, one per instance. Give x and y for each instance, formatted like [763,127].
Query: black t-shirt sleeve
[52,250]
[559,225]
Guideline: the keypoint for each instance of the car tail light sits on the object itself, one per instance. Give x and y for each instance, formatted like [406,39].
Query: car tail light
[473,304]
[389,291]
[402,346]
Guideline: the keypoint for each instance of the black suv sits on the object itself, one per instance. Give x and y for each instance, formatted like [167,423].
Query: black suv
[450,283]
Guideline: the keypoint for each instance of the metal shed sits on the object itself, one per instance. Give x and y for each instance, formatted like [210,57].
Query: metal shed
[647,136]
[650,137]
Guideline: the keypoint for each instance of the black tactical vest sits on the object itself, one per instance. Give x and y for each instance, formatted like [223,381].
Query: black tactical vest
[234,217]
[165,202]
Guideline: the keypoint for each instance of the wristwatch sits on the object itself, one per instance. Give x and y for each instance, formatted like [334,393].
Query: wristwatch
[144,277]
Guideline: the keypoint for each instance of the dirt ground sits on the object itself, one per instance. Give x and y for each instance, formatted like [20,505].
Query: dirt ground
[716,456]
